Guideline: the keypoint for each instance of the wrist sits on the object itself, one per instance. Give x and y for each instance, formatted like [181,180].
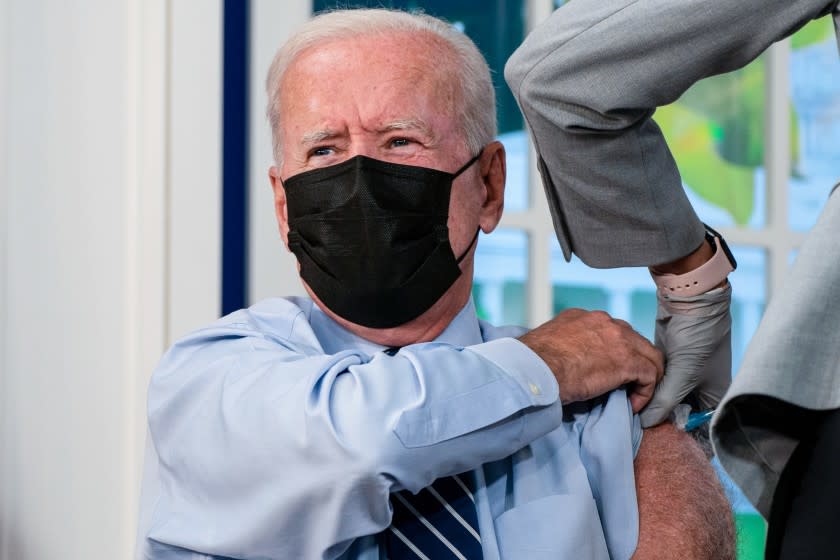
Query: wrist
[706,268]
[692,261]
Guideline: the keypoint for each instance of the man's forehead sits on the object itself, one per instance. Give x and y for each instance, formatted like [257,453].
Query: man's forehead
[390,55]
[395,86]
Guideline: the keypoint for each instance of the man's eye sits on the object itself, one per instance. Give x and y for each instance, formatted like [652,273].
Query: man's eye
[322,151]
[400,142]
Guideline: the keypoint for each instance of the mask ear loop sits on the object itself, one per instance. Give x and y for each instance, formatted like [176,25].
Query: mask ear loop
[478,229]
[467,250]
[469,163]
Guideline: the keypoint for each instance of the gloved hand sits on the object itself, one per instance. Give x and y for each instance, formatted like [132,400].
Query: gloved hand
[694,333]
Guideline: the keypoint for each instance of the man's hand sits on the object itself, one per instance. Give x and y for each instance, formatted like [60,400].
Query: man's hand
[590,354]
[695,335]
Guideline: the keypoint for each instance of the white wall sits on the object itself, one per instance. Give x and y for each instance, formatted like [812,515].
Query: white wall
[109,247]
[195,164]
[272,270]
[4,219]
[65,304]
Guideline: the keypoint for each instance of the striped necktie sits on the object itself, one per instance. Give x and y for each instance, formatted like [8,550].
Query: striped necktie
[439,523]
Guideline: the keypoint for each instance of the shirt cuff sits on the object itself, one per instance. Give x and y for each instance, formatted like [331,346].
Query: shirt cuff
[524,366]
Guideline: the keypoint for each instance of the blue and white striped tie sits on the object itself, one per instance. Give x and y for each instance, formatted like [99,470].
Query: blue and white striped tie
[439,523]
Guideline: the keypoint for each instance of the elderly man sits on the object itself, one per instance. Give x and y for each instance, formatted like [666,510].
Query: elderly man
[381,418]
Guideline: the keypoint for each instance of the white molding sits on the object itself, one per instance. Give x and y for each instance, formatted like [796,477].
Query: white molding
[132,303]
[540,290]
[764,238]
[777,162]
[146,233]
[272,269]
[195,165]
[82,270]
[85,244]
[537,11]
[5,420]
[536,221]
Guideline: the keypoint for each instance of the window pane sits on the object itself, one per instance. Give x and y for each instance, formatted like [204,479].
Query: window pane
[516,187]
[583,297]
[497,27]
[749,292]
[815,128]
[616,291]
[501,270]
[716,131]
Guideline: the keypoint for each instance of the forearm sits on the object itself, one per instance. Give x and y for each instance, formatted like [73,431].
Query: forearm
[641,54]
[588,81]
[682,506]
[260,441]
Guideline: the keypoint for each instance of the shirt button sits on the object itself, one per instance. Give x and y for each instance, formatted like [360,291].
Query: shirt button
[534,389]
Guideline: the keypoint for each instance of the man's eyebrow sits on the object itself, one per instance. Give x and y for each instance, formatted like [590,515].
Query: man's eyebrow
[316,136]
[407,124]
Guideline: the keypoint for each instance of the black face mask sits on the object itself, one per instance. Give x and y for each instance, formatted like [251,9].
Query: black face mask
[371,238]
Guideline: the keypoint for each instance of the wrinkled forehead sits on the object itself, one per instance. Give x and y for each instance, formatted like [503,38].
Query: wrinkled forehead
[413,63]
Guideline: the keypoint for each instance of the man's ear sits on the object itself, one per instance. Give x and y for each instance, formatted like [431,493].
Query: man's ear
[493,170]
[280,210]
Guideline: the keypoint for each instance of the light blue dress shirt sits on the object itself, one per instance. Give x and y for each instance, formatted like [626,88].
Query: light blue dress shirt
[277,434]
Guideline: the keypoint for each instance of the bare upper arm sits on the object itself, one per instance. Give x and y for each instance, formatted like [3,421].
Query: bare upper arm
[683,511]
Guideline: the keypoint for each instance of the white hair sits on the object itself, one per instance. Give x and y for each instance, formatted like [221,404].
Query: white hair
[476,106]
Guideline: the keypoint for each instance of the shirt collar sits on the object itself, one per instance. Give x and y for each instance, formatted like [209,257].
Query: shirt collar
[464,330]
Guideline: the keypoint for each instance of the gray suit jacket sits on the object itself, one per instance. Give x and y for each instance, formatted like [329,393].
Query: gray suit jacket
[589,79]
[791,367]
[588,82]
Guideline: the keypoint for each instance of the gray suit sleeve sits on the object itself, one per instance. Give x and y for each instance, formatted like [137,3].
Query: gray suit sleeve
[588,81]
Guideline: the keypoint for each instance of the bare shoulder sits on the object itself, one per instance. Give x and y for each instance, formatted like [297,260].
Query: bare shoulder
[682,506]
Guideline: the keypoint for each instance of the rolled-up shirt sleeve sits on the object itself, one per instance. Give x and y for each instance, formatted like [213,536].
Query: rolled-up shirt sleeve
[270,448]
